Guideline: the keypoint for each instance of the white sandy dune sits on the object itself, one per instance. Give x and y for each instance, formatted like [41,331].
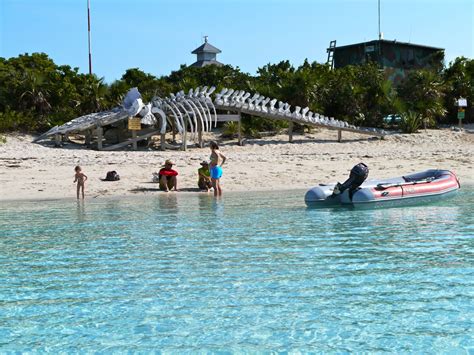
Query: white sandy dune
[34,171]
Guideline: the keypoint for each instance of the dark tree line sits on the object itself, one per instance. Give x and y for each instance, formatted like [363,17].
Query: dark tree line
[36,94]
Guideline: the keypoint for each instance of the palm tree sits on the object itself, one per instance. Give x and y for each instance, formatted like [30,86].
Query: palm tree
[422,91]
[35,94]
[93,93]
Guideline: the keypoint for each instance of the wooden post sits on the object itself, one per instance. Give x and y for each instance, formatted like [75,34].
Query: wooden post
[200,140]
[461,115]
[162,135]
[134,144]
[162,141]
[239,125]
[88,138]
[185,136]
[290,132]
[57,140]
[99,137]
[200,129]
[173,130]
[339,135]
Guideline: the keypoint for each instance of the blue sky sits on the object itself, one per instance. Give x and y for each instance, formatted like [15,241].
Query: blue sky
[158,35]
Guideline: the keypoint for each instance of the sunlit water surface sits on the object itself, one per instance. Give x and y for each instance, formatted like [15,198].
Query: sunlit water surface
[251,272]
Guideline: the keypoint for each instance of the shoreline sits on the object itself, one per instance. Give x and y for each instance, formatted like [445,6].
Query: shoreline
[160,194]
[184,194]
[34,172]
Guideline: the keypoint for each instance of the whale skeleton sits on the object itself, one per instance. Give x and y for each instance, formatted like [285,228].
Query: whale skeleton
[196,111]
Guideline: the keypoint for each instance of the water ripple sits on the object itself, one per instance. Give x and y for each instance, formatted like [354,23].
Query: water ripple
[252,273]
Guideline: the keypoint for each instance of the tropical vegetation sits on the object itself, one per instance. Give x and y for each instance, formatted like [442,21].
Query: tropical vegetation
[36,93]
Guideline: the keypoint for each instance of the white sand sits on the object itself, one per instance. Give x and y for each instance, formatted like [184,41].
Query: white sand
[34,171]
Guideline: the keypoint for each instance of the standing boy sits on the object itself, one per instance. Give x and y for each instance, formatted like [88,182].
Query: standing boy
[80,178]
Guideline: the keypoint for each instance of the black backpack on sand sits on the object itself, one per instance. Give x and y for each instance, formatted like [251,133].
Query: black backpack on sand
[112,176]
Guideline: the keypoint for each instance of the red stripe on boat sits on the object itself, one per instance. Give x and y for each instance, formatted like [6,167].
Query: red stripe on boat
[439,185]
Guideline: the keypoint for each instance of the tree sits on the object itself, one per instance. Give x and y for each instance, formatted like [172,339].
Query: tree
[422,91]
[146,83]
[459,82]
[35,95]
[210,75]
[92,92]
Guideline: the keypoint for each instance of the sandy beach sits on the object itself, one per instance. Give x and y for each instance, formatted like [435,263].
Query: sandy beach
[35,172]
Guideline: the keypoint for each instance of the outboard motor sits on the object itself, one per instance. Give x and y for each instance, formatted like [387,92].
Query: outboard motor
[358,175]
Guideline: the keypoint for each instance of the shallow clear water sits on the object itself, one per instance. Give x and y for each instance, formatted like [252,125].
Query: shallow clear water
[251,272]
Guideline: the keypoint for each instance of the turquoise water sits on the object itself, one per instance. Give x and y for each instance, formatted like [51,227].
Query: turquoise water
[252,272]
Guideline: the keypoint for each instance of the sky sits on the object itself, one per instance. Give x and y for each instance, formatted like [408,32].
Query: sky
[157,36]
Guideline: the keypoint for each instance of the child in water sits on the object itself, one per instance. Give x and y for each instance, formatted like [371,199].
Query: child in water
[81,178]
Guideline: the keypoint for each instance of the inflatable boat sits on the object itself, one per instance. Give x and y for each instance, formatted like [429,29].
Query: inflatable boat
[421,187]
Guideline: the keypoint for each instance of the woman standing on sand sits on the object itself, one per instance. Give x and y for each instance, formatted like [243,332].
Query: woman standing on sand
[215,167]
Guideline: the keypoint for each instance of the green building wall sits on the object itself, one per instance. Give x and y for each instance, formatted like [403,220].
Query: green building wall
[396,58]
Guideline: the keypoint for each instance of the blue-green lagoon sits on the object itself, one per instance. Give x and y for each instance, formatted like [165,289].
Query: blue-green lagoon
[252,272]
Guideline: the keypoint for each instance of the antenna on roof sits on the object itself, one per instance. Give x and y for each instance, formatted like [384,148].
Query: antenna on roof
[205,39]
[380,32]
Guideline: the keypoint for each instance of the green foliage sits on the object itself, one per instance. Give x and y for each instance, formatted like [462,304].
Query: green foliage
[17,121]
[231,129]
[422,91]
[250,124]
[410,122]
[93,92]
[223,76]
[343,93]
[459,82]
[37,94]
[146,83]
[252,132]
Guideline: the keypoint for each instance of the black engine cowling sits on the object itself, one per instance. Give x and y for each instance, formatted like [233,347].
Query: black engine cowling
[358,175]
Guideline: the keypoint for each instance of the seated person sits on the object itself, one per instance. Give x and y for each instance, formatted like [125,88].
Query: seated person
[204,180]
[168,177]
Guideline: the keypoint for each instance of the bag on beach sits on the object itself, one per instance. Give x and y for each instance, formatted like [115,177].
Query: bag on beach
[112,176]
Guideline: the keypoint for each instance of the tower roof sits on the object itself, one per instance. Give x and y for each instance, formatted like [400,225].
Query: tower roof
[206,48]
[203,63]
